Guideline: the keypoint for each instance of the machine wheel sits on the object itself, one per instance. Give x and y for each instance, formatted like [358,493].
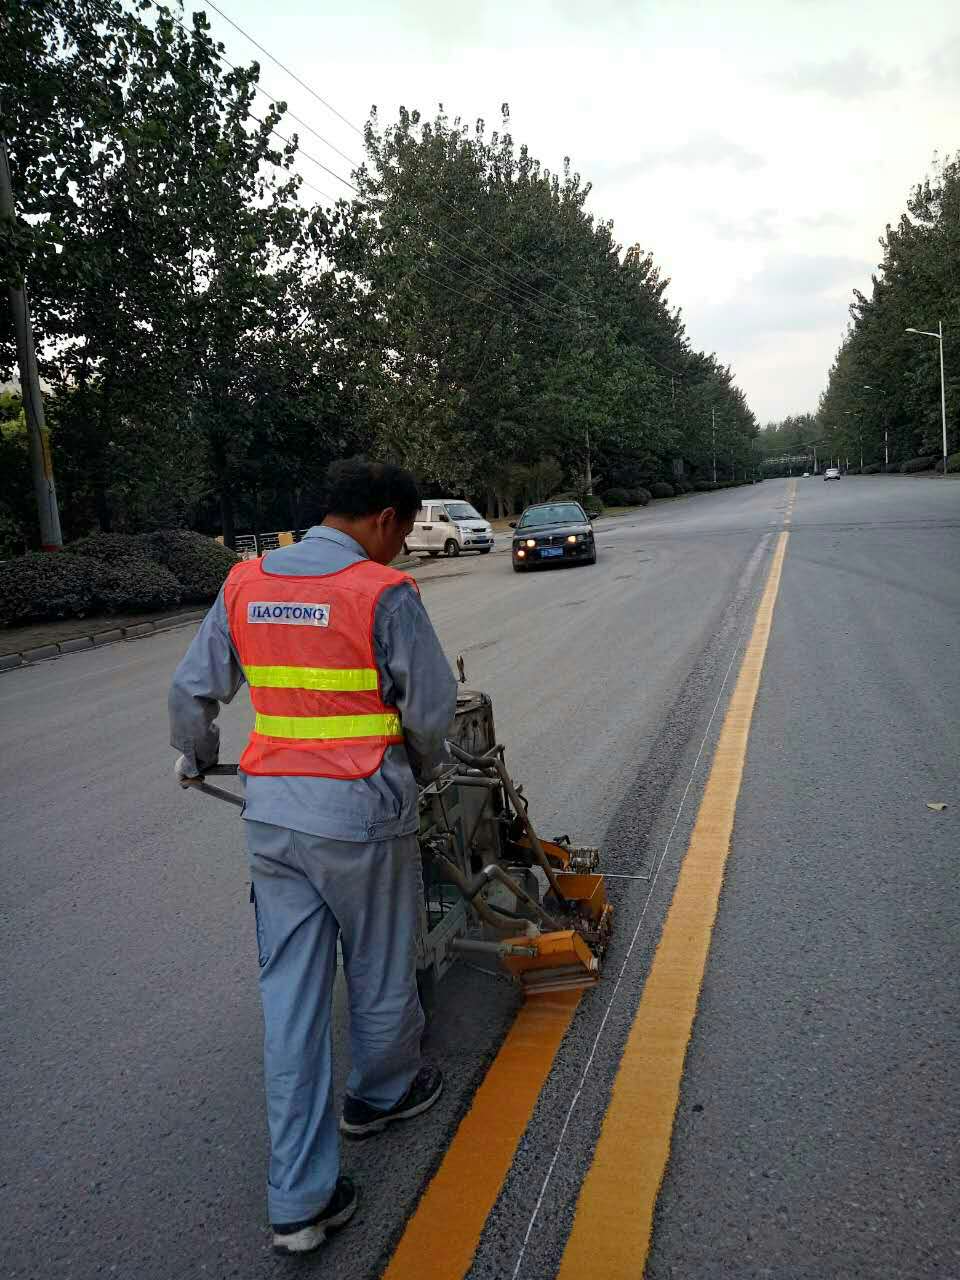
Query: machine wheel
[451,547]
[433,554]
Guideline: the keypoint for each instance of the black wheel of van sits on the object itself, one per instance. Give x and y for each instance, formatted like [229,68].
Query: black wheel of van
[451,547]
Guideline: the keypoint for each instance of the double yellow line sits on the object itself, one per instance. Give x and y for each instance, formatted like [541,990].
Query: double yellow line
[614,1215]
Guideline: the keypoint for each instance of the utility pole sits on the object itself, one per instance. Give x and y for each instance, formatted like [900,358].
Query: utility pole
[588,478]
[714,415]
[41,463]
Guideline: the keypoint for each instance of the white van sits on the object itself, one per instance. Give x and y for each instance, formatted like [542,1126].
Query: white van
[451,526]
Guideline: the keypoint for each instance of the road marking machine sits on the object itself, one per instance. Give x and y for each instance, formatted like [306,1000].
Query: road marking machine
[491,886]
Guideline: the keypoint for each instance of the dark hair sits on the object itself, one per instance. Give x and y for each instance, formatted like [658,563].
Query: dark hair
[357,488]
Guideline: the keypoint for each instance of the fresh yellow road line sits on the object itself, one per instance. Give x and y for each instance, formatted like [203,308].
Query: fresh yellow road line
[442,1236]
[614,1216]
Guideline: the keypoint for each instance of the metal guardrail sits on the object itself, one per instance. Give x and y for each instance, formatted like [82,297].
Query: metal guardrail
[249,546]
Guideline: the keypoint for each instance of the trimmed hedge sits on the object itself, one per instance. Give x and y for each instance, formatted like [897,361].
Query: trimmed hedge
[109,547]
[133,584]
[660,489]
[617,498]
[705,486]
[873,468]
[683,485]
[113,573]
[198,563]
[913,465]
[626,497]
[953,463]
[43,585]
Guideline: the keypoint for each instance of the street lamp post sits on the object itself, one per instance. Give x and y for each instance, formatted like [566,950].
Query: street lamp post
[943,386]
[714,418]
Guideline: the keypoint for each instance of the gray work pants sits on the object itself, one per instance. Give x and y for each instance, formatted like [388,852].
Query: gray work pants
[308,891]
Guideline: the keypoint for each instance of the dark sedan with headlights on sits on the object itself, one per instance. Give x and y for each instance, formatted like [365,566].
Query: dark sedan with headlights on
[552,533]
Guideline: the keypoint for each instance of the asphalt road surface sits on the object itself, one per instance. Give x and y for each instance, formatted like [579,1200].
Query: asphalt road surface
[818,1125]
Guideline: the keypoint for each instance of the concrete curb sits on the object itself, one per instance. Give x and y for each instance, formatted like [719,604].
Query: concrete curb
[76,644]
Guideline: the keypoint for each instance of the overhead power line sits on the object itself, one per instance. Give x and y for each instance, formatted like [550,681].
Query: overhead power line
[303,84]
[291,74]
[501,283]
[448,204]
[523,291]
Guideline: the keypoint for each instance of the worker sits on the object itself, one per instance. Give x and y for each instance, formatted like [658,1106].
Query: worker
[353,700]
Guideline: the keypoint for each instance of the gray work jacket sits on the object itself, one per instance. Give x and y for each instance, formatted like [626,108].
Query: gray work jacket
[415,678]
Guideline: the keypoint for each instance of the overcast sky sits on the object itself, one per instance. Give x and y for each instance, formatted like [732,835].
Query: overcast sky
[757,149]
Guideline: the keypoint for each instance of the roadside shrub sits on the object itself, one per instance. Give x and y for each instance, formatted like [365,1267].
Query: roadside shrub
[639,497]
[197,562]
[109,547]
[705,486]
[592,504]
[913,465]
[853,471]
[44,585]
[953,462]
[660,489]
[892,468]
[134,584]
[617,498]
[683,485]
[872,468]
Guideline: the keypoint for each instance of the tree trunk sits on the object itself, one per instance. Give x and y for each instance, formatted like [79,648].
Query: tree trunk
[226,515]
[293,506]
[100,499]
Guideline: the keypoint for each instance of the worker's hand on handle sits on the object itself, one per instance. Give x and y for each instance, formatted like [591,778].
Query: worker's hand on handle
[428,771]
[187,773]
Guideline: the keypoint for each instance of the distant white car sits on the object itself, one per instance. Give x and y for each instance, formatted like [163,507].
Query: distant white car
[806,475]
[832,473]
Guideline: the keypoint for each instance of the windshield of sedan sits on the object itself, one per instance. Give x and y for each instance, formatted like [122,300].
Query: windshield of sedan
[462,511]
[553,513]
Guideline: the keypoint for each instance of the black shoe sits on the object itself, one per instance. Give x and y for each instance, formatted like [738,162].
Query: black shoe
[304,1237]
[359,1119]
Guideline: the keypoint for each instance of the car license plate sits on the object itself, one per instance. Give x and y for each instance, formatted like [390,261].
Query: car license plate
[551,551]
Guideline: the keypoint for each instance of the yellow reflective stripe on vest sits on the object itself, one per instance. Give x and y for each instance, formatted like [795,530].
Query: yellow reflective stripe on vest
[331,679]
[329,727]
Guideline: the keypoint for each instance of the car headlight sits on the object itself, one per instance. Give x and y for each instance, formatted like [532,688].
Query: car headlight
[520,554]
[572,537]
[531,542]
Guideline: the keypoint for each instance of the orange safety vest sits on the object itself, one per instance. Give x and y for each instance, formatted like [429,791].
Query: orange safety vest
[306,648]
